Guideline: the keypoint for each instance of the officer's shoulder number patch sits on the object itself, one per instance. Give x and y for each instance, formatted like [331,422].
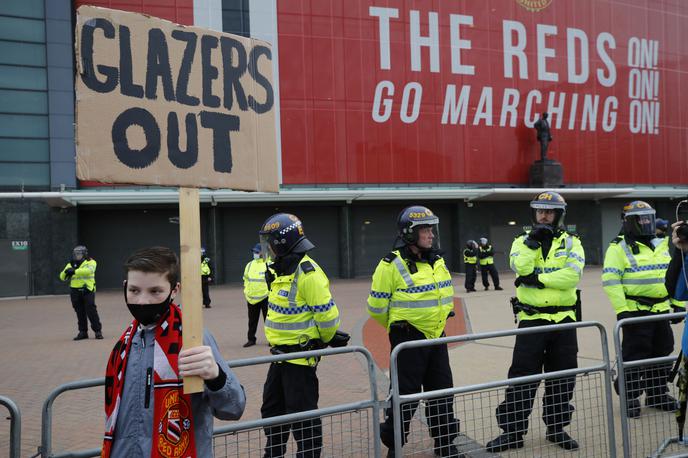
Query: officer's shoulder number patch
[616,240]
[389,257]
[307,267]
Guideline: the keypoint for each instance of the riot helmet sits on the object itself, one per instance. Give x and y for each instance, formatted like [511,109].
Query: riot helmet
[549,200]
[638,219]
[483,241]
[411,221]
[282,234]
[79,253]
[471,244]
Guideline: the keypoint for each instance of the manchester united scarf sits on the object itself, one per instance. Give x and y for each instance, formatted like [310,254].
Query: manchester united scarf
[173,427]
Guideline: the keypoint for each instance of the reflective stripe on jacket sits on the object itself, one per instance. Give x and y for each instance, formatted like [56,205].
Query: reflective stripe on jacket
[486,255]
[640,274]
[560,273]
[423,299]
[300,307]
[84,275]
[255,287]
[470,256]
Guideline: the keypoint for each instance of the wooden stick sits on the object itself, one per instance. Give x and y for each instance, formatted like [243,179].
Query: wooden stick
[190,244]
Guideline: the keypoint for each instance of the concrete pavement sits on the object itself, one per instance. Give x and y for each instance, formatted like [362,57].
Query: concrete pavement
[38,355]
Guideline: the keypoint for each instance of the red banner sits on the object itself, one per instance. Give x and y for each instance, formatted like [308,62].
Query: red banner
[447,91]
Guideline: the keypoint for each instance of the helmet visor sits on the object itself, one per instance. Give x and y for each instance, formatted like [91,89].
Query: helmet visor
[427,236]
[265,249]
[641,224]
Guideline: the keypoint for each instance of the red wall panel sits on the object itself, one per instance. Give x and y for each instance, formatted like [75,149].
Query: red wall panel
[330,68]
[179,11]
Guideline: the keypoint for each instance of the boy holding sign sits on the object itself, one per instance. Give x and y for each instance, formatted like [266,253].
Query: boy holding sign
[147,413]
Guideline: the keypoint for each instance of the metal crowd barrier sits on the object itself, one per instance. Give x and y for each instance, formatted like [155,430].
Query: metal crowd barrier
[593,421]
[346,427]
[654,433]
[15,426]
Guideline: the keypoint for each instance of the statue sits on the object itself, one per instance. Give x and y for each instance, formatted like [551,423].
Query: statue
[545,173]
[543,135]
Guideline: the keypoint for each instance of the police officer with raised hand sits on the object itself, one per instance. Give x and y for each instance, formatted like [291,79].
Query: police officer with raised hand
[301,316]
[548,262]
[412,296]
[470,260]
[80,271]
[486,255]
[633,277]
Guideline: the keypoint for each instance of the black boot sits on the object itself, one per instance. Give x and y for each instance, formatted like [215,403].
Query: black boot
[664,402]
[81,336]
[499,288]
[561,438]
[504,442]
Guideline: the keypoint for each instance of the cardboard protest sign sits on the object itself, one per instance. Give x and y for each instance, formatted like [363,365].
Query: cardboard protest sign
[164,104]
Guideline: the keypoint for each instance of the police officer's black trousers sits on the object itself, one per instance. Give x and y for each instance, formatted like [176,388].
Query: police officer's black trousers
[470,277]
[84,303]
[291,388]
[422,369]
[642,341]
[205,288]
[553,351]
[492,270]
[254,311]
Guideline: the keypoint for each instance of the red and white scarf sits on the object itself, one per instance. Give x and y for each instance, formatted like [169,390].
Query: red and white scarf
[173,426]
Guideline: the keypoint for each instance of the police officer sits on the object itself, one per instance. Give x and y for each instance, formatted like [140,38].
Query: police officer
[633,277]
[470,259]
[206,278]
[301,316]
[412,296]
[486,255]
[548,263]
[662,226]
[81,273]
[255,292]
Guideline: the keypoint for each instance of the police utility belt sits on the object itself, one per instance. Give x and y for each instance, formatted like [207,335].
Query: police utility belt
[518,306]
[647,301]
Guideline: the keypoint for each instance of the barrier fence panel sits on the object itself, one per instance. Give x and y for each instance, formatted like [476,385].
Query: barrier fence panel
[648,420]
[15,426]
[592,423]
[347,429]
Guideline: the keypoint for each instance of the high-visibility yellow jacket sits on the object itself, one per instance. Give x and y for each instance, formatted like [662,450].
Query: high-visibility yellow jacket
[300,307]
[84,275]
[470,256]
[560,273]
[638,274]
[255,287]
[486,255]
[205,267]
[423,298]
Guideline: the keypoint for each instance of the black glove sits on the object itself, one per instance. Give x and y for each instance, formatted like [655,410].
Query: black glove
[540,232]
[530,279]
[677,309]
[624,315]
[340,339]
[69,272]
[451,314]
[269,277]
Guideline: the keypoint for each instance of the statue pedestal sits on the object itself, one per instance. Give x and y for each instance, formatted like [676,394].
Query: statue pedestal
[546,174]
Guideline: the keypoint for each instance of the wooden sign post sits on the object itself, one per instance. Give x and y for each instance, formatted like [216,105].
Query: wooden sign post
[163,104]
[190,246]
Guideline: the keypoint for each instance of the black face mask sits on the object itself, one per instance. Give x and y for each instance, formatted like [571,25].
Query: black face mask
[147,314]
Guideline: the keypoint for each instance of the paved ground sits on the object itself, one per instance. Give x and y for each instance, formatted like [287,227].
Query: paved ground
[39,355]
